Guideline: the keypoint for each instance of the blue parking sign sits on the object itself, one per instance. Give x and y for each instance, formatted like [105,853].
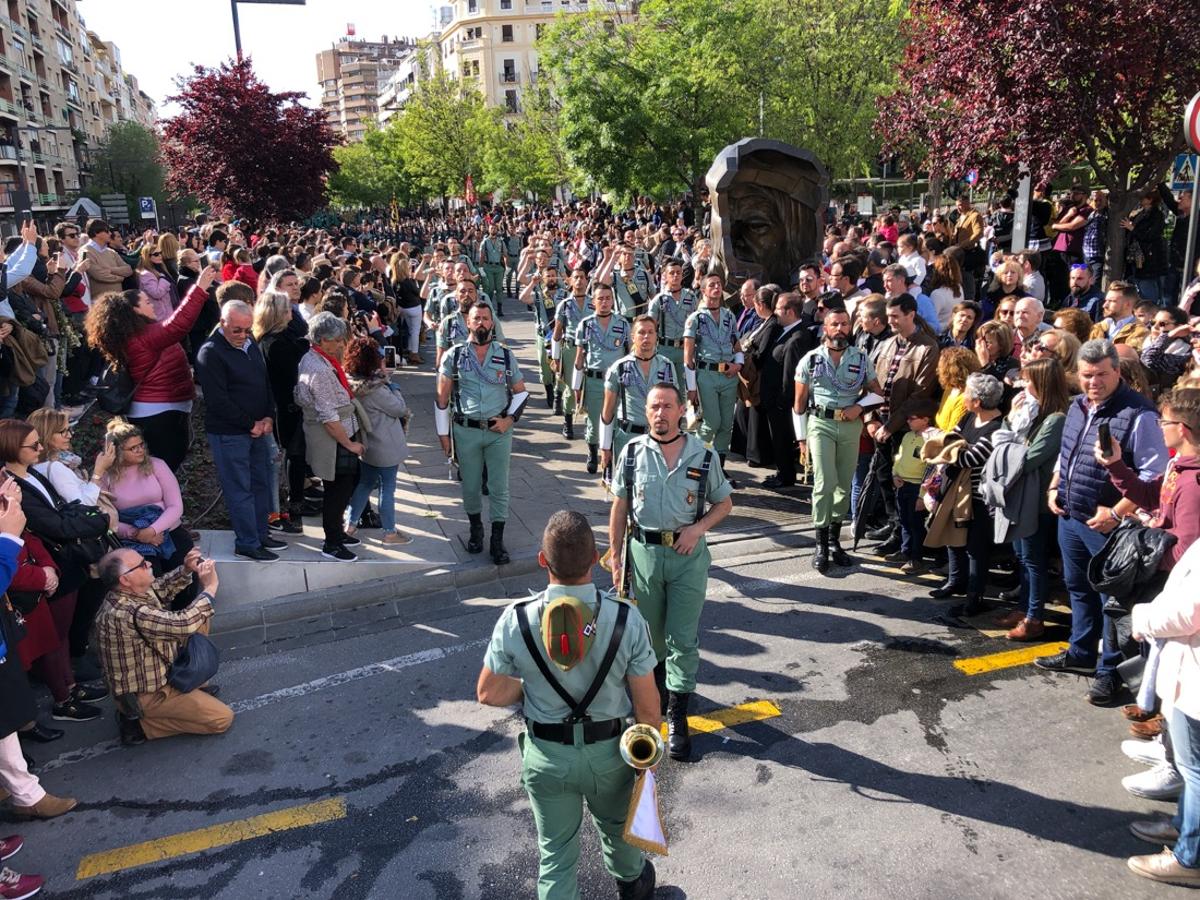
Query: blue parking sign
[147,207]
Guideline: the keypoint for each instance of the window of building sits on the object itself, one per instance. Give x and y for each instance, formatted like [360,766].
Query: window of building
[510,101]
[506,4]
[539,29]
[472,6]
[509,74]
[506,34]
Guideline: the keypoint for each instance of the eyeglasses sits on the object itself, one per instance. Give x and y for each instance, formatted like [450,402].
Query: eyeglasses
[1163,421]
[1005,313]
[135,447]
[32,446]
[154,254]
[67,430]
[71,234]
[1162,326]
[144,564]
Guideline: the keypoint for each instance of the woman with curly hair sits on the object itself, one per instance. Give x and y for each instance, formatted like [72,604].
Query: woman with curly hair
[954,365]
[123,327]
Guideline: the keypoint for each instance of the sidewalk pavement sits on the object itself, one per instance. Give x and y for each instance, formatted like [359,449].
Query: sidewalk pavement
[305,592]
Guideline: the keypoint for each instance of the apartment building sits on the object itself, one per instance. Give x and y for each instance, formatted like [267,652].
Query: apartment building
[61,87]
[351,73]
[397,87]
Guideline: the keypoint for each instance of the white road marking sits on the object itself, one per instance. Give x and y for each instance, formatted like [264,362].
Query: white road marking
[395,664]
[433,630]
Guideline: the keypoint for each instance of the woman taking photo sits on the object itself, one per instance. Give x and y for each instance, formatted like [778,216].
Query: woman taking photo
[388,415]
[969,564]
[332,420]
[123,327]
[1038,415]
[155,282]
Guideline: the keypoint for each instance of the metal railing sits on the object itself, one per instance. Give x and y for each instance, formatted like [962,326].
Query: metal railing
[509,78]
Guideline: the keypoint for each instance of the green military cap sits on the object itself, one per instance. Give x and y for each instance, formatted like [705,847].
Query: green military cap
[568,629]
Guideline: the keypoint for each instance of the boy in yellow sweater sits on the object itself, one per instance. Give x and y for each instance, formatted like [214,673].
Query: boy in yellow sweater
[908,471]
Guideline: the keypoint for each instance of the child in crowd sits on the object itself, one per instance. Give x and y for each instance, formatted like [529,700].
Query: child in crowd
[908,471]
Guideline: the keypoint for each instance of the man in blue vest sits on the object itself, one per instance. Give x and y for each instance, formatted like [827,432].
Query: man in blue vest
[1089,506]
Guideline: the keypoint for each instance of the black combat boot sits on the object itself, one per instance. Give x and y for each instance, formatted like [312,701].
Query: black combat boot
[974,606]
[820,560]
[475,541]
[593,462]
[839,556]
[732,481]
[568,429]
[641,888]
[558,407]
[660,680]
[499,555]
[679,740]
[550,396]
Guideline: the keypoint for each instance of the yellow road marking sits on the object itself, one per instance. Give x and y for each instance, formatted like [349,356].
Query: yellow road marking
[207,838]
[978,665]
[729,716]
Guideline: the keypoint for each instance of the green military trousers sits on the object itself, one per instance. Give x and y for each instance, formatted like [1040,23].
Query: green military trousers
[669,589]
[718,396]
[674,354]
[543,355]
[475,448]
[492,278]
[832,455]
[593,403]
[564,380]
[559,779]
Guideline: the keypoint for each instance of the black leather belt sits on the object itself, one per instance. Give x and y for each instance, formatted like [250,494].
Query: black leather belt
[564,732]
[661,538]
[630,428]
[669,342]
[472,423]
[713,367]
[827,412]
[569,343]
[594,373]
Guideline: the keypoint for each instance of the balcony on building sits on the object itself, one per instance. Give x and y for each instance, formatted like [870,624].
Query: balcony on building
[508,76]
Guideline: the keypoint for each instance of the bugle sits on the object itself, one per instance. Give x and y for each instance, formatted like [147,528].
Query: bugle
[642,746]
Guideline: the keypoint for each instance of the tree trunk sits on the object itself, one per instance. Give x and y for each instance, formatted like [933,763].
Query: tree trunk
[1120,204]
[935,191]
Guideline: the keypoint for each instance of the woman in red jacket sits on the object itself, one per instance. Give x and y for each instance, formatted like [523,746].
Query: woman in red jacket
[123,327]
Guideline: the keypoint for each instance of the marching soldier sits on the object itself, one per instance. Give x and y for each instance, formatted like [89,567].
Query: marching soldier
[713,360]
[455,252]
[600,340]
[632,285]
[436,287]
[568,655]
[514,257]
[491,264]
[661,483]
[542,294]
[567,316]
[453,326]
[480,396]
[626,385]
[828,419]
[671,308]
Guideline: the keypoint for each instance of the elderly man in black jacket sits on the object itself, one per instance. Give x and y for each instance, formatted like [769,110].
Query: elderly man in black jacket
[784,349]
[238,420]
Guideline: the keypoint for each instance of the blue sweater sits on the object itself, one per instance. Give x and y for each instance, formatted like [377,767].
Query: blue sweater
[237,391]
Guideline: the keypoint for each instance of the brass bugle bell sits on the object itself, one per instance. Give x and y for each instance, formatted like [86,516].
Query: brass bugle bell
[642,746]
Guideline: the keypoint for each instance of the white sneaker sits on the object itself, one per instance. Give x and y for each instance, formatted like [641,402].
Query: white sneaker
[1148,753]
[1160,783]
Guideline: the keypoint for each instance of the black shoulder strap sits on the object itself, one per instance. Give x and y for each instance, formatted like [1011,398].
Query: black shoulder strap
[622,374]
[700,493]
[578,708]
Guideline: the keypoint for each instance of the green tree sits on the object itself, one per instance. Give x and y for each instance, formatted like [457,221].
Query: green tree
[128,161]
[526,156]
[372,172]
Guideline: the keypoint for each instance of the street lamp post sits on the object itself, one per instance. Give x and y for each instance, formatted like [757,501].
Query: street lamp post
[237,30]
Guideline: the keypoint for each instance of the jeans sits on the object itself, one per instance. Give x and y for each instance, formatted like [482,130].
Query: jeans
[168,435]
[243,467]
[861,468]
[1079,544]
[912,521]
[368,477]
[1031,554]
[969,564]
[1185,739]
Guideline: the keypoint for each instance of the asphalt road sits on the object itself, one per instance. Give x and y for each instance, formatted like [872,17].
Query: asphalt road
[887,771]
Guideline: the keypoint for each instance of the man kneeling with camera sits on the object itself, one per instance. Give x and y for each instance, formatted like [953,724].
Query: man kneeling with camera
[158,661]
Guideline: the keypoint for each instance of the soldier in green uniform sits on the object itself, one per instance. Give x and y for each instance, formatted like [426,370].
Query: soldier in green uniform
[491,264]
[626,385]
[453,326]
[567,316]
[542,293]
[671,308]
[661,483]
[600,340]
[480,396]
[568,655]
[829,382]
[632,286]
[514,251]
[435,288]
[712,359]
[455,252]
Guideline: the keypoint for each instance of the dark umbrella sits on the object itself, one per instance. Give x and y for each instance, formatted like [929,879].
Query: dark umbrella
[869,494]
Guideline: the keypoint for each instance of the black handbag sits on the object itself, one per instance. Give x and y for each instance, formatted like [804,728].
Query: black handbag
[1129,559]
[84,551]
[195,665]
[114,390]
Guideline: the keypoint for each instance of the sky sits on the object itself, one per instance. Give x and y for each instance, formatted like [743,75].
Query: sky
[282,40]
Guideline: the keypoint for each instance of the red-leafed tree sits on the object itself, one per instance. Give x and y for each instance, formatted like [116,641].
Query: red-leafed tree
[241,148]
[996,84]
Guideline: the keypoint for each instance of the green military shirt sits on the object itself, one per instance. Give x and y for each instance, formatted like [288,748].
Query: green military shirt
[507,654]
[569,313]
[449,304]
[714,335]
[544,309]
[482,390]
[835,389]
[624,378]
[632,292]
[665,500]
[452,330]
[602,346]
[491,251]
[672,314]
[514,244]
[433,304]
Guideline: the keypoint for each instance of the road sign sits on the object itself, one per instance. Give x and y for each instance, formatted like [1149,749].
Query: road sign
[972,177]
[1191,123]
[116,212]
[1183,173]
[146,204]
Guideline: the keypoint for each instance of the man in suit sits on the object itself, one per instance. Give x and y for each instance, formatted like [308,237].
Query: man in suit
[783,350]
